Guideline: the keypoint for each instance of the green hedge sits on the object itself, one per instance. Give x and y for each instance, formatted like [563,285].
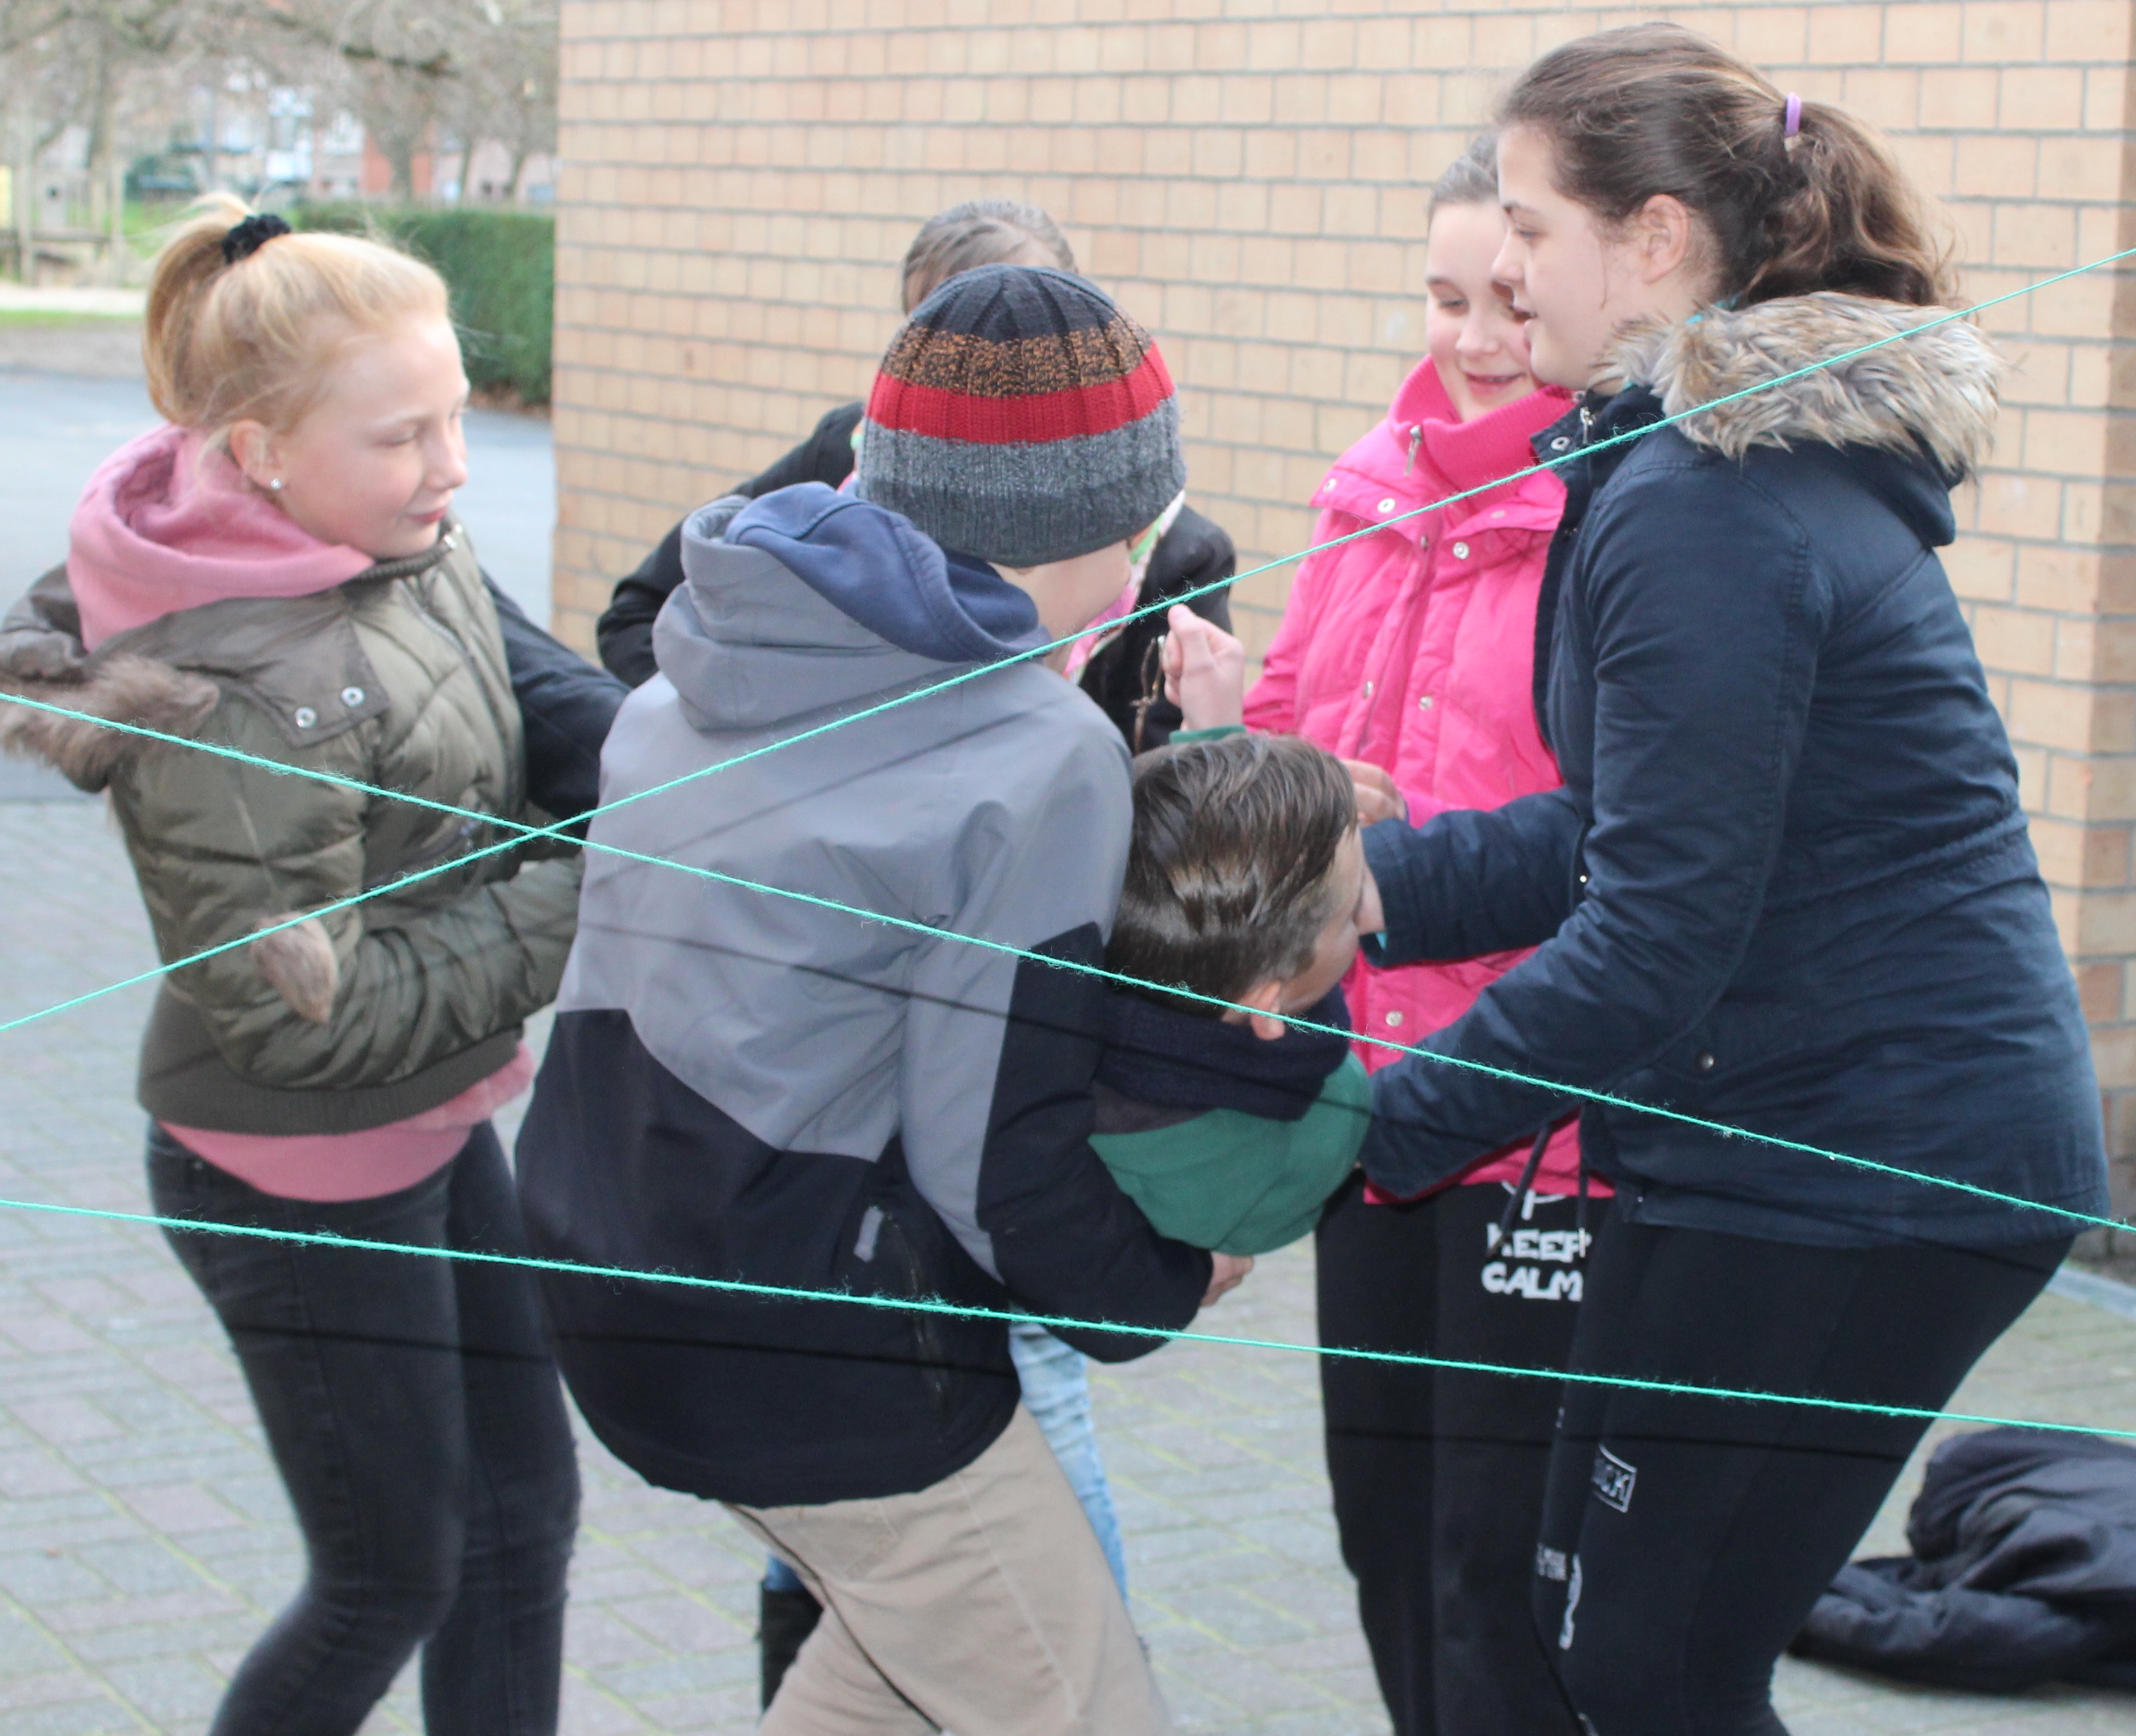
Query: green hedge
[501,266]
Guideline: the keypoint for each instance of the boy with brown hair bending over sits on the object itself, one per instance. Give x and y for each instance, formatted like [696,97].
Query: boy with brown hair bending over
[1245,883]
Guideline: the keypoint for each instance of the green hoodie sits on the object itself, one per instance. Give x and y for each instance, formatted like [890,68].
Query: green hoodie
[1238,1182]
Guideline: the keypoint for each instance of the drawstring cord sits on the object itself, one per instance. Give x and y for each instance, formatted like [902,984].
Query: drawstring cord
[1525,1184]
[1521,1188]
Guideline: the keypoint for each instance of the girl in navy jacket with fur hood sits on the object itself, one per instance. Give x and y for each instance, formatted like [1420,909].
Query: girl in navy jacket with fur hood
[1787,885]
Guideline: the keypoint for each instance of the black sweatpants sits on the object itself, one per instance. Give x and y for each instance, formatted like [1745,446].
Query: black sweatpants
[1438,1476]
[1684,1539]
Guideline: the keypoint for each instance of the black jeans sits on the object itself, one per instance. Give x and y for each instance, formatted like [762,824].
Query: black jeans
[419,1425]
[1684,1539]
[1438,1476]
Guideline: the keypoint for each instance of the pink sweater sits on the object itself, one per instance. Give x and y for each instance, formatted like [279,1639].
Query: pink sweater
[166,524]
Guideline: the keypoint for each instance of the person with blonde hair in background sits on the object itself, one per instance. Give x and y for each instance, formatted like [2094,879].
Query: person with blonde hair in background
[275,569]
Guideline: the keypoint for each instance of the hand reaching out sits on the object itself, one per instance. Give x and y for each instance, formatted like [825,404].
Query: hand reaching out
[1205,671]
[1377,798]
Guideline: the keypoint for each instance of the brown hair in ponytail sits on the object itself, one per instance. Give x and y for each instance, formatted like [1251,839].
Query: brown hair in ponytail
[254,339]
[1650,109]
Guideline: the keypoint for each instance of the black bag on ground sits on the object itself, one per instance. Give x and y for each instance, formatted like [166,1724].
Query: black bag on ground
[2023,1571]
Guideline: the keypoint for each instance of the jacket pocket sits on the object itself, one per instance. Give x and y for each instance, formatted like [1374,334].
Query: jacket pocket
[1742,1033]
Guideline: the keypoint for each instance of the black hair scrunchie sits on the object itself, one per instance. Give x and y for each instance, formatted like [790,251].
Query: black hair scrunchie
[243,239]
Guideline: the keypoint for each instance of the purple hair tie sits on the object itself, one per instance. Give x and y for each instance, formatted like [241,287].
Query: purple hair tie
[1794,115]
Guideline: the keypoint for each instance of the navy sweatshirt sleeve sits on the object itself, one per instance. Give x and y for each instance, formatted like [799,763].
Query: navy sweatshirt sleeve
[566,707]
[1475,881]
[624,631]
[1700,684]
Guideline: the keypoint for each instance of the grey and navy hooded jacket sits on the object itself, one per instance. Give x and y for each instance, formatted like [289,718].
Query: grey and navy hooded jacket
[741,1084]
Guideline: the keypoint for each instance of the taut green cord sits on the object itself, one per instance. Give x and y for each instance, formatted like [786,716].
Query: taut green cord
[956,1310]
[973,674]
[522,833]
[2088,1220]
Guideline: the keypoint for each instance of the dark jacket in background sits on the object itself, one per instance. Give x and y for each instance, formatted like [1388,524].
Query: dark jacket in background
[1122,674]
[1787,885]
[566,707]
[2023,1571]
[1194,553]
[624,631]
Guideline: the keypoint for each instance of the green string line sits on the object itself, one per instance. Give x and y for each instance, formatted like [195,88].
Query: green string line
[560,827]
[955,1311]
[931,931]
[525,833]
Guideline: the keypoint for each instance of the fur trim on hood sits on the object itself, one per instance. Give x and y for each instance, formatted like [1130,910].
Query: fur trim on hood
[42,659]
[1935,392]
[136,690]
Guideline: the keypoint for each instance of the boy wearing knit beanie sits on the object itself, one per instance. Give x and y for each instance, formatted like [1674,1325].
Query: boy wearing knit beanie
[1020,416]
[754,1086]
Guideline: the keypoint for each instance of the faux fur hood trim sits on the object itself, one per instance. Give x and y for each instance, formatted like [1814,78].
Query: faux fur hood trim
[136,690]
[299,961]
[1936,392]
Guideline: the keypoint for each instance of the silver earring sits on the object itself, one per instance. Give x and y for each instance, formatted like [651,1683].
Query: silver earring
[274,483]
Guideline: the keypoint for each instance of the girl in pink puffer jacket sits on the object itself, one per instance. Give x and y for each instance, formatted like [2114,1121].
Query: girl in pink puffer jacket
[1413,651]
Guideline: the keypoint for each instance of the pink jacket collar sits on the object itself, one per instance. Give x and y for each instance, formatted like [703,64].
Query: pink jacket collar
[166,524]
[1469,454]
[1419,455]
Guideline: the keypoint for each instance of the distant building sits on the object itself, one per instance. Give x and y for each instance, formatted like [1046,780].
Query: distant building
[274,142]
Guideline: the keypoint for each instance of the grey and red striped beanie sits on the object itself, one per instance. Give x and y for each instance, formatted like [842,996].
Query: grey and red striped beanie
[1022,417]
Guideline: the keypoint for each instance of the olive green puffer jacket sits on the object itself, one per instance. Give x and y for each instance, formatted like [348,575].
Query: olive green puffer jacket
[397,678]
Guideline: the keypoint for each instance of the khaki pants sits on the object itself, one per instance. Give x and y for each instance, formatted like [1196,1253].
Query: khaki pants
[981,1606]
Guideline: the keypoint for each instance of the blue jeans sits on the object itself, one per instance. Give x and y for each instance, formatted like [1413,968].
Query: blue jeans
[1056,1392]
[417,1420]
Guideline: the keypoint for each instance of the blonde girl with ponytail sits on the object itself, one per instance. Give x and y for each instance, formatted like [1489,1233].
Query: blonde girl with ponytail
[1787,886]
[276,569]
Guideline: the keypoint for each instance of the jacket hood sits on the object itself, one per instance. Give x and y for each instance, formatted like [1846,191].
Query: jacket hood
[295,654]
[1934,393]
[167,524]
[809,598]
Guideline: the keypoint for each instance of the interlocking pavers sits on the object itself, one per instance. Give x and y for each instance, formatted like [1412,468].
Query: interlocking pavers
[144,1540]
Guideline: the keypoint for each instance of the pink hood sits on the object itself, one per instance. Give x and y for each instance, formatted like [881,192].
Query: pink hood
[168,523]
[1414,649]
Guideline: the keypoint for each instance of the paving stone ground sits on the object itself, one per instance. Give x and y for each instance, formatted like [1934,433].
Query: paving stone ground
[144,1540]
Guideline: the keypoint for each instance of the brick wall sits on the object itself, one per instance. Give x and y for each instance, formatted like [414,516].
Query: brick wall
[740,177]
